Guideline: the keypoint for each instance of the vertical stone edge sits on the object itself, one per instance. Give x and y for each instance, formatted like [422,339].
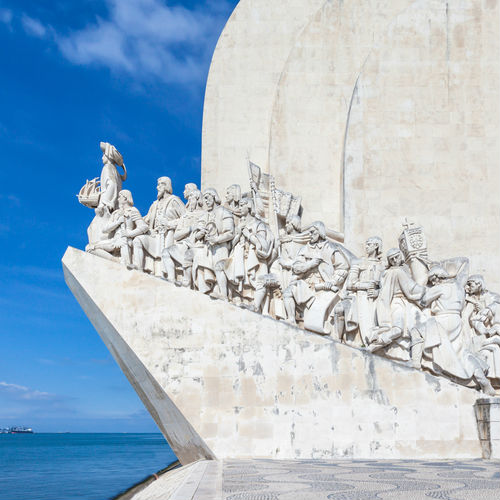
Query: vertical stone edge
[487,412]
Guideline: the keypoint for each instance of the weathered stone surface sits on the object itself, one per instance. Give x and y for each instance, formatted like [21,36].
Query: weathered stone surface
[225,382]
[488,422]
[371,110]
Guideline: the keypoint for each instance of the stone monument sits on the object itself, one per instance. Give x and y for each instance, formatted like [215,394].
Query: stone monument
[249,324]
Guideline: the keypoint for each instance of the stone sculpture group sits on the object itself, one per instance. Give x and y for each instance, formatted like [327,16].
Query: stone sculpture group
[251,250]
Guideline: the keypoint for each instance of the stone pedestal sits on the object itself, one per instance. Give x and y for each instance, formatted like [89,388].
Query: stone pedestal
[223,382]
[488,423]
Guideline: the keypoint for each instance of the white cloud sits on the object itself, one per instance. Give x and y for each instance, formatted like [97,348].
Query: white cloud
[149,39]
[6,16]
[33,27]
[19,392]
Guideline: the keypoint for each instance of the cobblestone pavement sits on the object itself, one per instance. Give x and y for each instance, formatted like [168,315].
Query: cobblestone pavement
[360,480]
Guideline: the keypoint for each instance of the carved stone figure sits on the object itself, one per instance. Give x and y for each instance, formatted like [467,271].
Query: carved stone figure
[124,225]
[233,198]
[439,344]
[397,291]
[213,238]
[162,220]
[481,320]
[180,254]
[357,312]
[320,266]
[252,247]
[110,180]
[190,186]
[291,240]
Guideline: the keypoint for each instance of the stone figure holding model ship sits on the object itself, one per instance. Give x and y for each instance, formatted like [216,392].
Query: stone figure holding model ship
[407,308]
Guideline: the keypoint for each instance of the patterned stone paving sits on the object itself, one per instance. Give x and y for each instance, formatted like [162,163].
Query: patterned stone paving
[360,480]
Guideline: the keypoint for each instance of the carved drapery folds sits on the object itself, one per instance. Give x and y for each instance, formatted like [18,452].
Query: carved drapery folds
[250,249]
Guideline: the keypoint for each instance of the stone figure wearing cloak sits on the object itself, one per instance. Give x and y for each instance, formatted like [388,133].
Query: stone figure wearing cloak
[252,246]
[162,220]
[110,180]
[439,344]
[356,314]
[321,266]
[394,310]
[124,224]
[180,254]
[213,238]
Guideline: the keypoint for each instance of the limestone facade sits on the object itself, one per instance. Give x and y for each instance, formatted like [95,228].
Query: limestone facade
[379,109]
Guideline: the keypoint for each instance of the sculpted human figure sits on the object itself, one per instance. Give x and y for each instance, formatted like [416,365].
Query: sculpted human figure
[397,291]
[249,261]
[213,237]
[180,254]
[190,186]
[111,180]
[357,312]
[233,198]
[439,344]
[481,320]
[477,298]
[162,220]
[320,266]
[124,224]
[251,248]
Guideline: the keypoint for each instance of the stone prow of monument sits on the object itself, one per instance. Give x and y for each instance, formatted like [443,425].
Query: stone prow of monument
[222,382]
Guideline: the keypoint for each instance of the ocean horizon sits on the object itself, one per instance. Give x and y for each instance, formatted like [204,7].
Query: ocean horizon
[78,466]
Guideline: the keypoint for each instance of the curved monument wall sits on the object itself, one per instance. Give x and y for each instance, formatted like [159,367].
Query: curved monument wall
[371,110]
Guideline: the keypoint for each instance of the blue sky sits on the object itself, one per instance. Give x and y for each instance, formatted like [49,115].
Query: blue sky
[130,72]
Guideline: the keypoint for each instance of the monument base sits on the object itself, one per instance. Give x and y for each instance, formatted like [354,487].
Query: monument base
[223,382]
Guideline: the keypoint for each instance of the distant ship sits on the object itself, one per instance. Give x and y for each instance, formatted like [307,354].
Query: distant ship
[17,430]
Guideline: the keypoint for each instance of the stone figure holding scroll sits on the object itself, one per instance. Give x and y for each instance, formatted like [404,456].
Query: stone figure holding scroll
[162,220]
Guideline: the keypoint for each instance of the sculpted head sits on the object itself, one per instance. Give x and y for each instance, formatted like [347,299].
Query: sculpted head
[395,257]
[125,199]
[293,223]
[210,198]
[233,193]
[437,274]
[164,186]
[475,284]
[194,200]
[373,246]
[246,206]
[190,186]
[317,232]
[111,154]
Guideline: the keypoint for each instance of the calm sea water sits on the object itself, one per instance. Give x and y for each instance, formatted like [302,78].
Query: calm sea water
[77,466]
